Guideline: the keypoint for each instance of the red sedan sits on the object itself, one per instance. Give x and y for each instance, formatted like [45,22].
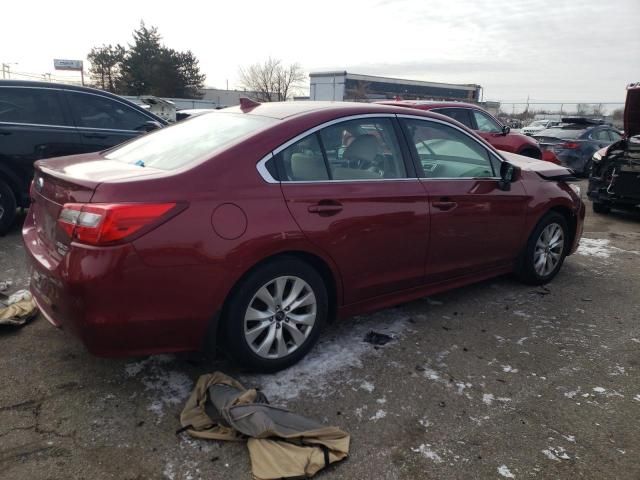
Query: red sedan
[248,228]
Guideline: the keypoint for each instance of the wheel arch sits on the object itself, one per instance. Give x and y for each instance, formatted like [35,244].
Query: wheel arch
[324,267]
[570,217]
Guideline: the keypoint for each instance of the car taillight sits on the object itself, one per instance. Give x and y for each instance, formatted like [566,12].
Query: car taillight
[570,145]
[105,223]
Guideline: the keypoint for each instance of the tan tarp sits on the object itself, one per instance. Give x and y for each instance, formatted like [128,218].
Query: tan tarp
[282,444]
[19,312]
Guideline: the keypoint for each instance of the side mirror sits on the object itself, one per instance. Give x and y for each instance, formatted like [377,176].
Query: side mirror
[507,172]
[149,126]
[505,129]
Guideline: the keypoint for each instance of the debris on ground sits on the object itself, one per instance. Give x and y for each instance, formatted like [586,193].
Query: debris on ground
[376,338]
[5,285]
[17,309]
[282,444]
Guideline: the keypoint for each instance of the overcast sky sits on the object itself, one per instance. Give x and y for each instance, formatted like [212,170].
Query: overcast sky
[550,50]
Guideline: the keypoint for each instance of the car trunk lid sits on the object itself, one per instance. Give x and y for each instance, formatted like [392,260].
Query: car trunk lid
[70,180]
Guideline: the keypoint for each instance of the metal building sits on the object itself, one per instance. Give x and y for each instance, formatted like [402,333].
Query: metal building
[354,87]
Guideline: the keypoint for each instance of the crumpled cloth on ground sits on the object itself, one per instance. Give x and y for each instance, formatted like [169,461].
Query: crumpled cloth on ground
[282,444]
[18,308]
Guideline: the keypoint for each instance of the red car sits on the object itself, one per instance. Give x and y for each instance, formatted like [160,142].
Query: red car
[250,227]
[482,122]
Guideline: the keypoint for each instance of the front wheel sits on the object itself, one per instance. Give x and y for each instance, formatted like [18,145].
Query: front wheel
[599,207]
[545,251]
[275,315]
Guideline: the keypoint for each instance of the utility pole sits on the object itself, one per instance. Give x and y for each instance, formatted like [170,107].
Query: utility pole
[5,71]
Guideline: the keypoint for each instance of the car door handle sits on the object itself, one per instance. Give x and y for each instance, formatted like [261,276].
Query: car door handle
[325,208]
[94,135]
[444,204]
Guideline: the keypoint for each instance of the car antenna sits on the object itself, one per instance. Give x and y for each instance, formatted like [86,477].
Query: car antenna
[247,104]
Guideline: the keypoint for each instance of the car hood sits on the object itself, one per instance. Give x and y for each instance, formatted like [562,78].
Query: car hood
[541,167]
[632,111]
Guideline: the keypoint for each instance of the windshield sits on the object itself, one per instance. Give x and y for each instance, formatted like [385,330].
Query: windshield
[176,146]
[538,123]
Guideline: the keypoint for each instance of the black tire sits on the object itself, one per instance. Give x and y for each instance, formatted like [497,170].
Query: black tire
[7,207]
[237,345]
[526,270]
[531,152]
[599,207]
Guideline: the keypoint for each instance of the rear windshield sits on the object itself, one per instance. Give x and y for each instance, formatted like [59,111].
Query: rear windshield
[176,146]
[563,133]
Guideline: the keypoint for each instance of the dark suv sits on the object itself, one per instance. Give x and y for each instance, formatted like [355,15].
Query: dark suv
[41,120]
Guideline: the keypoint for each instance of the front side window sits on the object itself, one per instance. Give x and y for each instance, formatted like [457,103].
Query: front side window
[173,147]
[94,111]
[486,123]
[30,105]
[363,149]
[446,152]
[601,135]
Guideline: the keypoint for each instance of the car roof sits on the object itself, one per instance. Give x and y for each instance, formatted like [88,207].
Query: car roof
[429,104]
[283,110]
[78,88]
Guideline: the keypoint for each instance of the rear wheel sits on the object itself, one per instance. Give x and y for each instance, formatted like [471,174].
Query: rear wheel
[545,251]
[7,207]
[275,315]
[599,207]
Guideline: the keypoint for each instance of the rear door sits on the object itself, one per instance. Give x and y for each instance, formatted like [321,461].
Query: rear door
[33,126]
[352,192]
[103,121]
[474,225]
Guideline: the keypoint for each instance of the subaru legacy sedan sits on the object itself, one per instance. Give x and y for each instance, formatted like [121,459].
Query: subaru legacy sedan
[249,228]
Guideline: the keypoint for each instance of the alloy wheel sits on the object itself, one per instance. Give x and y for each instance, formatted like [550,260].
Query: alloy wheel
[548,250]
[280,317]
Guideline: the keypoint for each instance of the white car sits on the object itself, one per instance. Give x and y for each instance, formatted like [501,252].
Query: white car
[538,126]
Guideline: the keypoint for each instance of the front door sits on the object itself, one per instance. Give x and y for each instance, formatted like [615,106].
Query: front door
[348,189]
[103,122]
[474,225]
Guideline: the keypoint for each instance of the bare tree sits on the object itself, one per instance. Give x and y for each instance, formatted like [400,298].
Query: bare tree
[272,81]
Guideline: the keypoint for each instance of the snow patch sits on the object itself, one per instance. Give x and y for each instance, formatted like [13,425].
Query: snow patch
[509,369]
[382,400]
[503,470]
[341,349]
[425,451]
[368,386]
[594,247]
[431,374]
[570,438]
[637,398]
[520,313]
[556,453]
[599,389]
[380,414]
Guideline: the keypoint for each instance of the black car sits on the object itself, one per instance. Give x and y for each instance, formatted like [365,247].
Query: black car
[615,176]
[575,141]
[41,120]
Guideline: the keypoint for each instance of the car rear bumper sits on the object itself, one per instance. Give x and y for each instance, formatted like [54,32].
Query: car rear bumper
[575,162]
[115,303]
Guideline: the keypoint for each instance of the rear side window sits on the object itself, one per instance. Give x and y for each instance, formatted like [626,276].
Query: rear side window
[462,115]
[30,105]
[615,136]
[94,111]
[173,147]
[602,135]
[363,149]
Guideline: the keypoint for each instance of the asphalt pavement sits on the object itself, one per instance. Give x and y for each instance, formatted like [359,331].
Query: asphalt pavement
[495,380]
